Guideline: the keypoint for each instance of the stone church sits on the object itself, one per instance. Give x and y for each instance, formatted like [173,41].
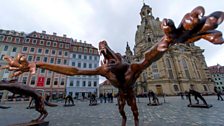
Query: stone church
[181,66]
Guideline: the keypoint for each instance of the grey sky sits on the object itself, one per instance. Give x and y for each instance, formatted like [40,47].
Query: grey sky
[94,20]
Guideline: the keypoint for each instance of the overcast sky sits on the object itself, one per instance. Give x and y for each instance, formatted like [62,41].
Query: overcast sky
[94,20]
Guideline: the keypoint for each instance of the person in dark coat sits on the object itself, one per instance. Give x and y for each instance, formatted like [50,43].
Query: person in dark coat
[218,92]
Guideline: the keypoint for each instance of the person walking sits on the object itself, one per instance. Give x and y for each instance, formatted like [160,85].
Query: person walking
[218,92]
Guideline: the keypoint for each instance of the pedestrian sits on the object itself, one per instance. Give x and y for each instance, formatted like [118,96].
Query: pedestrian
[105,98]
[182,95]
[101,98]
[218,92]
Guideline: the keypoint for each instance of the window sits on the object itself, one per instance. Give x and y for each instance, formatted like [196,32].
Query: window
[62,81]
[41,42]
[48,43]
[6,48]
[24,80]
[95,84]
[32,49]
[71,83]
[25,49]
[85,50]
[54,44]
[14,49]
[61,45]
[85,57]
[53,52]
[59,52]
[79,65]
[77,84]
[175,88]
[205,88]
[83,83]
[66,53]
[84,65]
[39,51]
[59,61]
[75,49]
[52,60]
[95,58]
[74,56]
[33,79]
[45,59]
[27,40]
[90,57]
[65,62]
[80,56]
[169,68]
[73,63]
[185,66]
[34,41]
[46,51]
[66,46]
[2,37]
[90,65]
[17,40]
[80,49]
[89,84]
[42,71]
[9,39]
[90,50]
[2,57]
[48,82]
[37,58]
[55,81]
[30,58]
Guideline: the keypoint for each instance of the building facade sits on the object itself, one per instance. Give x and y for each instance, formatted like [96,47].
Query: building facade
[181,66]
[83,56]
[217,73]
[106,87]
[51,49]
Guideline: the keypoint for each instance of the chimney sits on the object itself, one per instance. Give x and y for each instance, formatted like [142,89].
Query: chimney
[54,33]
[64,35]
[43,32]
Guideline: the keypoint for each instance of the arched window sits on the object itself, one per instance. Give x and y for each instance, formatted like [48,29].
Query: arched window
[205,88]
[175,87]
[185,67]
[198,75]
[155,71]
[169,68]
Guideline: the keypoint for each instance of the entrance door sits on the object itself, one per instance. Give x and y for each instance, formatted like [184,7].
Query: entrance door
[159,89]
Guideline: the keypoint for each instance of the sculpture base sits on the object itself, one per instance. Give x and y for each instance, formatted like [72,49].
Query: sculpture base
[154,104]
[4,107]
[32,107]
[69,105]
[34,123]
[93,104]
[200,105]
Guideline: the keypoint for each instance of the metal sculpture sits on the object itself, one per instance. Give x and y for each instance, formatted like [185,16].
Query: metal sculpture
[122,75]
[17,88]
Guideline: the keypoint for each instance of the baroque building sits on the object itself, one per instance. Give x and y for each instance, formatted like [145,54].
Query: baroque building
[181,66]
[53,49]
[217,73]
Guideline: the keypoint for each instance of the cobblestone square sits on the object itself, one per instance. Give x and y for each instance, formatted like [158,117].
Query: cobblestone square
[172,113]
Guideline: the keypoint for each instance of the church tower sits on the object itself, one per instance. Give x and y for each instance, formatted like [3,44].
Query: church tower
[181,66]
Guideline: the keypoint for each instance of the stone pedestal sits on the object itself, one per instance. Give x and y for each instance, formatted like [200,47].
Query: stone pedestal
[200,105]
[35,123]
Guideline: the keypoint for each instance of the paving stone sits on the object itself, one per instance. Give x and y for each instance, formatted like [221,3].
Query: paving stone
[172,113]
